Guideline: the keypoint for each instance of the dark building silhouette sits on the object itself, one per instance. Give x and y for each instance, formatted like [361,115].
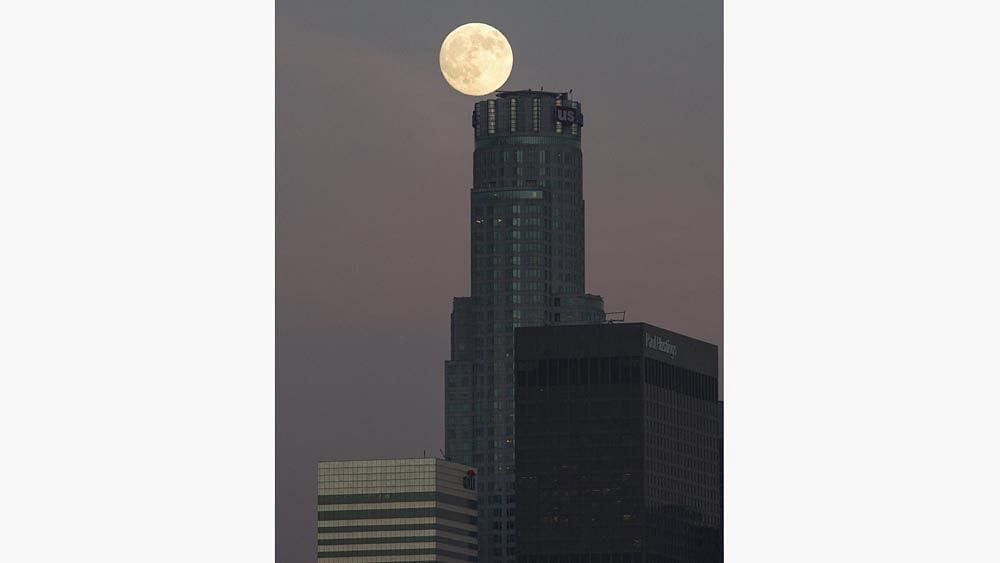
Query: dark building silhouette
[618,445]
[722,471]
[526,223]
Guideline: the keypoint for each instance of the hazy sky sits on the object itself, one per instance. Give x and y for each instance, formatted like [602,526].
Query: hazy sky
[374,164]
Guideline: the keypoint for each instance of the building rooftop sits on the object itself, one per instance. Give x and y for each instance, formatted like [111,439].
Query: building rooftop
[388,462]
[505,93]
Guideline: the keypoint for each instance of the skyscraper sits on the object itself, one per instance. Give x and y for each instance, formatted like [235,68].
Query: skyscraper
[618,446]
[526,221]
[421,509]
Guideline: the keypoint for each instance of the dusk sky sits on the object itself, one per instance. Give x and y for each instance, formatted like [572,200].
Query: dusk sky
[374,167]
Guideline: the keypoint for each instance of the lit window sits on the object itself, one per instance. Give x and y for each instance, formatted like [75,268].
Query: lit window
[558,123]
[536,114]
[512,108]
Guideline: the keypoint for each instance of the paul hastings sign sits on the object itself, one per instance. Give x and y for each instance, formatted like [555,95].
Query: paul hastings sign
[660,345]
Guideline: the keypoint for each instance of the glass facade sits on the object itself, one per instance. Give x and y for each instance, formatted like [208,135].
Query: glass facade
[527,229]
[375,511]
[618,445]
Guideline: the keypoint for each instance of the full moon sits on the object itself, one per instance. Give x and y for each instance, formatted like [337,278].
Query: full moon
[476,59]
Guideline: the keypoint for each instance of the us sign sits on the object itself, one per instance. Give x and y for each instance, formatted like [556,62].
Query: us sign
[569,115]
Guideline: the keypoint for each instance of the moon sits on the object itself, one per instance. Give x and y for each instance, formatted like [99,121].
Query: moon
[476,59]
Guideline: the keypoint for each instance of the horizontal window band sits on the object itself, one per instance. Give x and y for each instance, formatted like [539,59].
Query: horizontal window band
[509,194]
[398,539]
[395,528]
[507,140]
[391,552]
[397,513]
[397,497]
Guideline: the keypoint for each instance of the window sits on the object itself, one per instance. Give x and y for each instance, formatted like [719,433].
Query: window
[491,116]
[536,114]
[512,108]
[558,123]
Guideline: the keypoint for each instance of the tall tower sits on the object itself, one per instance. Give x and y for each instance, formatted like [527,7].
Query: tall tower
[526,220]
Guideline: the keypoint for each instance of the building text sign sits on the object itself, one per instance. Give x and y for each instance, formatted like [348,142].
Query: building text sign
[660,345]
[569,115]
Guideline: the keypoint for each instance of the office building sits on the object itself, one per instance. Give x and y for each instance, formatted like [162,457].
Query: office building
[618,445]
[393,510]
[722,470]
[526,223]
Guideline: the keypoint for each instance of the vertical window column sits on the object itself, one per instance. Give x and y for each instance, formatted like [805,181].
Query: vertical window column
[574,129]
[512,109]
[558,123]
[536,114]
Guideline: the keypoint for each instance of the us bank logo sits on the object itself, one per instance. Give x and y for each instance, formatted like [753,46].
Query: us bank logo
[661,345]
[568,115]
